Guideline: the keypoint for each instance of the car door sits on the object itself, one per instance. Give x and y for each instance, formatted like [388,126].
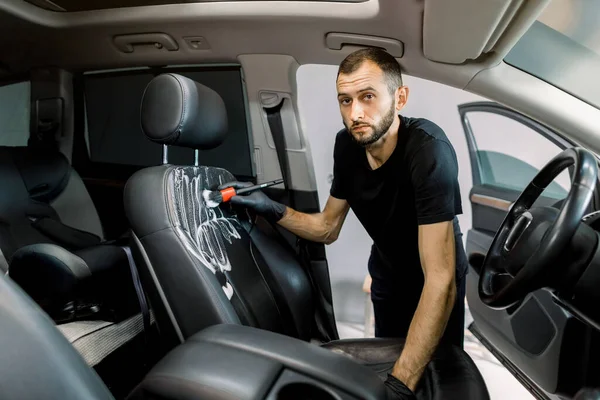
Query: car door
[533,337]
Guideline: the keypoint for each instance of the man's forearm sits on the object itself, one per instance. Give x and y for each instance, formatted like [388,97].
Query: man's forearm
[426,329]
[313,227]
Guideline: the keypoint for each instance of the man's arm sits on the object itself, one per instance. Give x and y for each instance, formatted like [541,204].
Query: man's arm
[322,227]
[437,253]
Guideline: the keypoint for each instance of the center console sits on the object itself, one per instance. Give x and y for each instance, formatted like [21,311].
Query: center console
[239,362]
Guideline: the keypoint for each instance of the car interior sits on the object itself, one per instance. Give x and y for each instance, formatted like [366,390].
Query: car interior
[120,281]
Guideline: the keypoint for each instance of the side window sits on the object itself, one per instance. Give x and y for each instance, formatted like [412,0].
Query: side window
[509,154]
[112,120]
[14,114]
[112,123]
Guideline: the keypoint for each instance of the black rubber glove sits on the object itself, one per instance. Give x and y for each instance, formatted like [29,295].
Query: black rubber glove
[398,390]
[257,201]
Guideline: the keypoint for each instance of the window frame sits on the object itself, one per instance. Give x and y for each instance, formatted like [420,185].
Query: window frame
[495,108]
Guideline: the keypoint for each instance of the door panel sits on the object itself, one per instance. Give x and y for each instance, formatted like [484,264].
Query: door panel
[533,337]
[490,205]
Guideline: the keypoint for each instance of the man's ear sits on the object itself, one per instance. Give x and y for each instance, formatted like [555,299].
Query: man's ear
[401,97]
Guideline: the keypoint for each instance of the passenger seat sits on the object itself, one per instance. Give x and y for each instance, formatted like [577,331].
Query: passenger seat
[52,244]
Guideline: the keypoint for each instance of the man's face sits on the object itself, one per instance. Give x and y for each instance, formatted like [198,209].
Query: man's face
[367,106]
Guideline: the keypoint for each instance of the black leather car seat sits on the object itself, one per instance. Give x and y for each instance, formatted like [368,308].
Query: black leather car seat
[36,361]
[48,225]
[44,201]
[201,266]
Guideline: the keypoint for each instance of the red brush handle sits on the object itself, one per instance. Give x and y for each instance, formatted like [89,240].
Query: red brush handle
[227,194]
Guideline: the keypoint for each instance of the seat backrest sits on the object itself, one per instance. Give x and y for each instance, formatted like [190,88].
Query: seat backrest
[203,266]
[36,360]
[43,200]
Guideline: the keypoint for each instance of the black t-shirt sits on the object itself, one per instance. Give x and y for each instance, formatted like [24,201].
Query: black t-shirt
[418,184]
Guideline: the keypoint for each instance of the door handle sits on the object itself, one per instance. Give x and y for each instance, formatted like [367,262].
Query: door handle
[126,43]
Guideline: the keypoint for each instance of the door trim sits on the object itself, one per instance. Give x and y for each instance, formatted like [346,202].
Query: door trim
[493,202]
[529,385]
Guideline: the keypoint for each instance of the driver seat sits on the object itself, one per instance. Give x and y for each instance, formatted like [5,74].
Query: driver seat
[204,266]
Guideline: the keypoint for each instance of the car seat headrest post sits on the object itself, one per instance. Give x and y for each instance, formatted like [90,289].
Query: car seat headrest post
[165,154]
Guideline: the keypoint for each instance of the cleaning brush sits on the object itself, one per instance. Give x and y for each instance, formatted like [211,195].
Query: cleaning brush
[213,198]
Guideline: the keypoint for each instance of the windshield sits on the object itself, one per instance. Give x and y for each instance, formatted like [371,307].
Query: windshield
[563,48]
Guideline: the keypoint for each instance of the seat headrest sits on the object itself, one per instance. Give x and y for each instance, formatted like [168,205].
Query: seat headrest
[181,112]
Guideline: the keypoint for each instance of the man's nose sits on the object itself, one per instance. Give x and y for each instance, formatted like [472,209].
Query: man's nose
[356,112]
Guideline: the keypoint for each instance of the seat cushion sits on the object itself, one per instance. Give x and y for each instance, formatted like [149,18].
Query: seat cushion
[450,375]
[120,352]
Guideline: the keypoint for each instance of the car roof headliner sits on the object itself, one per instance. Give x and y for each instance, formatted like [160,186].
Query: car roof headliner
[442,42]
[461,43]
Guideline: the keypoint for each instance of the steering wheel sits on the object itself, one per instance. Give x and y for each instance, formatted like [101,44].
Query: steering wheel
[530,240]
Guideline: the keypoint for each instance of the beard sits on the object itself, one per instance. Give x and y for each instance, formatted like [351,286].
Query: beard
[378,129]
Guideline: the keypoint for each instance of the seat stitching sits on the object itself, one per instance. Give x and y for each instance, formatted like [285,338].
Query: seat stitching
[183,104]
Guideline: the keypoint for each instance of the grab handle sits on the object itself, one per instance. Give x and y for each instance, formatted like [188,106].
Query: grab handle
[126,43]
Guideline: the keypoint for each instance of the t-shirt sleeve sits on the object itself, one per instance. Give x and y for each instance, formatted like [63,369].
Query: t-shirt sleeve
[434,174]
[338,187]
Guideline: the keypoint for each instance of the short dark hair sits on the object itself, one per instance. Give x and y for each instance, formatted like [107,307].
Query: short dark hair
[384,60]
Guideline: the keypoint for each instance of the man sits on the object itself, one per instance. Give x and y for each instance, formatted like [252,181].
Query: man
[400,176]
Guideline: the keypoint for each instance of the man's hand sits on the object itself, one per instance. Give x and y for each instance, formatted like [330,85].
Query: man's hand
[396,390]
[437,253]
[257,201]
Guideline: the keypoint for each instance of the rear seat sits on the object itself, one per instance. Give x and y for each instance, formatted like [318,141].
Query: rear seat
[40,187]
[45,208]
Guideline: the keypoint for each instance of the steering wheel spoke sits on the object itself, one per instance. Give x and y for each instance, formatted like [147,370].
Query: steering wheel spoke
[517,229]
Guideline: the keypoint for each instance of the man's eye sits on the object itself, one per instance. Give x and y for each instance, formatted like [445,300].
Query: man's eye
[369,96]
[345,101]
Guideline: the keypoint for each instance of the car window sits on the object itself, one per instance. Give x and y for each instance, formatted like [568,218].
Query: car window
[510,154]
[112,120]
[562,48]
[14,114]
